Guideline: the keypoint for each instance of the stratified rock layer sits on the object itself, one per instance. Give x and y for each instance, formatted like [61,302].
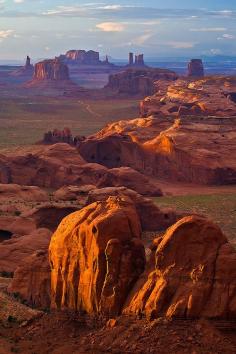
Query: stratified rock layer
[192,274]
[96,255]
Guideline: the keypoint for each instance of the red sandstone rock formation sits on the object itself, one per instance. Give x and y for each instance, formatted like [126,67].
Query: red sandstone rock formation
[95,257]
[61,164]
[138,81]
[192,274]
[26,71]
[151,217]
[22,193]
[161,147]
[212,96]
[17,249]
[195,68]
[51,70]
[31,281]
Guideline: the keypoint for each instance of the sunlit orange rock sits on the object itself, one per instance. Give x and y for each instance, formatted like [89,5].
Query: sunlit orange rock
[192,274]
[96,255]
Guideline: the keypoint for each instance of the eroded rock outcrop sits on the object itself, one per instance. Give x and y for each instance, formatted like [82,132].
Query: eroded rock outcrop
[210,96]
[96,255]
[61,165]
[161,147]
[18,248]
[191,274]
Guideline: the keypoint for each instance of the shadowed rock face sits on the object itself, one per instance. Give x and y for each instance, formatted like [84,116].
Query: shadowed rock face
[51,70]
[196,68]
[191,274]
[96,256]
[138,81]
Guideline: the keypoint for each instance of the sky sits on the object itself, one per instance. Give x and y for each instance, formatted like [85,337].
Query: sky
[157,28]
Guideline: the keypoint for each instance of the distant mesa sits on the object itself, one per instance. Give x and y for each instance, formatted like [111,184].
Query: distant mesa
[138,80]
[83,57]
[195,68]
[52,69]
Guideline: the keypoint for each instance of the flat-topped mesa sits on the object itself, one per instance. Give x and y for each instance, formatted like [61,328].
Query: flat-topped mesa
[137,80]
[80,56]
[195,68]
[51,69]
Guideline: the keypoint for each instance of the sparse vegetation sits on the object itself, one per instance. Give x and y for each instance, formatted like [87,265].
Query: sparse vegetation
[23,121]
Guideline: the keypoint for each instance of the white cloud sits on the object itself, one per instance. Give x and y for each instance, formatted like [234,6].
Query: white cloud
[141,40]
[228,36]
[181,45]
[111,26]
[18,1]
[209,29]
[5,34]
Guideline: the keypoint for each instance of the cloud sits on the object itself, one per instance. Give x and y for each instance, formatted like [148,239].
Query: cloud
[141,40]
[226,36]
[209,29]
[111,27]
[181,45]
[4,34]
[18,1]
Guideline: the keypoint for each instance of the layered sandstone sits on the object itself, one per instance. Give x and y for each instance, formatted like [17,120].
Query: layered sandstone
[190,275]
[96,255]
[138,81]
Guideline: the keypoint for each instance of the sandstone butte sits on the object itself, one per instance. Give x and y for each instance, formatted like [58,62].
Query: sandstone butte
[96,255]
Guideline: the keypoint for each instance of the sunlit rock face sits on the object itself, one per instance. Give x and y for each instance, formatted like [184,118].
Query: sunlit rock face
[191,274]
[51,70]
[197,149]
[96,255]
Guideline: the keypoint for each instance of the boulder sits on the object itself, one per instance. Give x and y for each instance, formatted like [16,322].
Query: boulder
[96,255]
[192,274]
[31,281]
